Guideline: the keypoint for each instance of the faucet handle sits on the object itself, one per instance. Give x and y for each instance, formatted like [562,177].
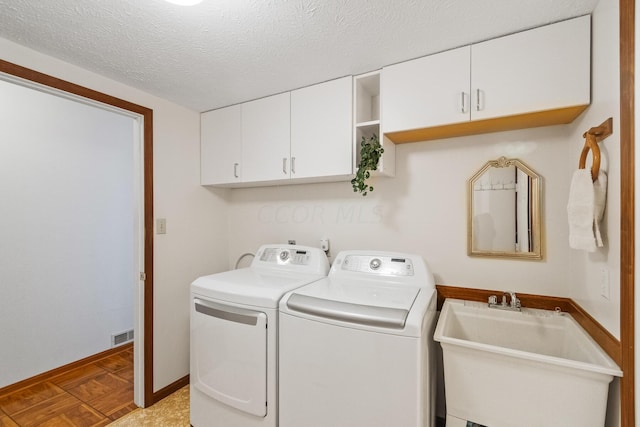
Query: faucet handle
[515,303]
[493,300]
[512,297]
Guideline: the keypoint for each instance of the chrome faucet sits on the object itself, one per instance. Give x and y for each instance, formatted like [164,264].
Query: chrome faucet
[514,303]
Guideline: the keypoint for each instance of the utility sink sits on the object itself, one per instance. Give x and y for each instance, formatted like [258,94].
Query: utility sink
[527,368]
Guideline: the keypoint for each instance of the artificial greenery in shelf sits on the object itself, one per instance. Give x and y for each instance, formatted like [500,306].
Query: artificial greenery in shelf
[370,152]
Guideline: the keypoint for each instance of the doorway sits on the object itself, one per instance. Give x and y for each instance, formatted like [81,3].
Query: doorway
[138,120]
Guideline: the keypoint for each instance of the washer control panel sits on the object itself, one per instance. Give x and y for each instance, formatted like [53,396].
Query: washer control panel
[285,256]
[382,265]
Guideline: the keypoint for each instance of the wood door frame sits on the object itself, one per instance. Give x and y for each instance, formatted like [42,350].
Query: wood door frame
[147,115]
[627,210]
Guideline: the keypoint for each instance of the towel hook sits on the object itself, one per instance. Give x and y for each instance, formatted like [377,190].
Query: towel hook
[591,144]
[592,136]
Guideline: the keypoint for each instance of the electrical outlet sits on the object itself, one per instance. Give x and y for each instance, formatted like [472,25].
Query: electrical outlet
[161,226]
[604,283]
[324,244]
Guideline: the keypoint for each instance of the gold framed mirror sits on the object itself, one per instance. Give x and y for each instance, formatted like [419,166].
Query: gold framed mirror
[503,212]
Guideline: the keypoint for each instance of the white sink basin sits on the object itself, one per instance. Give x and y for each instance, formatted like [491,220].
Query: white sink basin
[529,368]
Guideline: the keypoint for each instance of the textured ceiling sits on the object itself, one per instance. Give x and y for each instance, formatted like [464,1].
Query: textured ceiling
[222,52]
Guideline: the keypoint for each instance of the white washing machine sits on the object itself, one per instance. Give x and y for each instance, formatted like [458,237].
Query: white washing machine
[234,324]
[356,347]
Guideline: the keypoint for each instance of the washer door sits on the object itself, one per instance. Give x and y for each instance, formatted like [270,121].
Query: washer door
[230,355]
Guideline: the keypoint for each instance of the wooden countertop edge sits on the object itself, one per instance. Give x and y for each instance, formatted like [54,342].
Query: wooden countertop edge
[602,336]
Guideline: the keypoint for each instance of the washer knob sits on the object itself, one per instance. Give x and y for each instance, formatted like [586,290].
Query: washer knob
[375,264]
[284,255]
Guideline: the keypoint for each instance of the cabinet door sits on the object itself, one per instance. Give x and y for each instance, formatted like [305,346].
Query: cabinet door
[426,92]
[220,146]
[266,138]
[536,70]
[321,132]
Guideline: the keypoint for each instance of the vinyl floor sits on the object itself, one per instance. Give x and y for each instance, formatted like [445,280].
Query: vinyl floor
[172,411]
[91,395]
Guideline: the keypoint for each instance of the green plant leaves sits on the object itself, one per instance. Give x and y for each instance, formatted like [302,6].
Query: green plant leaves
[370,152]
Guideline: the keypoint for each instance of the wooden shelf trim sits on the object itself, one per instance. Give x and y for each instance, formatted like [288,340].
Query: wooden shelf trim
[476,127]
[608,342]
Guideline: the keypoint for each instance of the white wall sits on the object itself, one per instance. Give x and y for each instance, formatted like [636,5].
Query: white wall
[422,210]
[66,259]
[196,239]
[586,269]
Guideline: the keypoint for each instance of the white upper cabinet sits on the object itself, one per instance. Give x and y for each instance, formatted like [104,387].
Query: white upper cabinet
[266,138]
[321,139]
[536,70]
[428,91]
[304,135]
[221,146]
[534,78]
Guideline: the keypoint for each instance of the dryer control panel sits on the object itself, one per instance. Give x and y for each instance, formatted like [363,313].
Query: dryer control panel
[382,265]
[285,255]
[294,258]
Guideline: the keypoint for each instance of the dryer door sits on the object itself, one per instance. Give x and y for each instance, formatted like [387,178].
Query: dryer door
[230,355]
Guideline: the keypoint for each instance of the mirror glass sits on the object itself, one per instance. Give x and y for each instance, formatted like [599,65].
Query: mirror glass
[504,211]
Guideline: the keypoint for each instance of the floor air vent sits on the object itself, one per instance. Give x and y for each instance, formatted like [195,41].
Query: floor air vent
[121,338]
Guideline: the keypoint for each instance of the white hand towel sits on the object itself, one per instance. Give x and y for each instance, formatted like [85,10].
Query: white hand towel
[599,204]
[580,211]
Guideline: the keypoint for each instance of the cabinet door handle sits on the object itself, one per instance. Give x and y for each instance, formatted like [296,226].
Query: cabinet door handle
[293,165]
[463,103]
[477,99]
[235,170]
[284,165]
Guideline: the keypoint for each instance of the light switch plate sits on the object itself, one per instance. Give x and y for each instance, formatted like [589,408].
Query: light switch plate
[161,226]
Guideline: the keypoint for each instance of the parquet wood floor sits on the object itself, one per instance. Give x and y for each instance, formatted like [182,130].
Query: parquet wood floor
[90,395]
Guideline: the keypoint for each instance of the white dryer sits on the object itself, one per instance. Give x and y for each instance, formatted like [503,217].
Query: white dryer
[234,318]
[356,347]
